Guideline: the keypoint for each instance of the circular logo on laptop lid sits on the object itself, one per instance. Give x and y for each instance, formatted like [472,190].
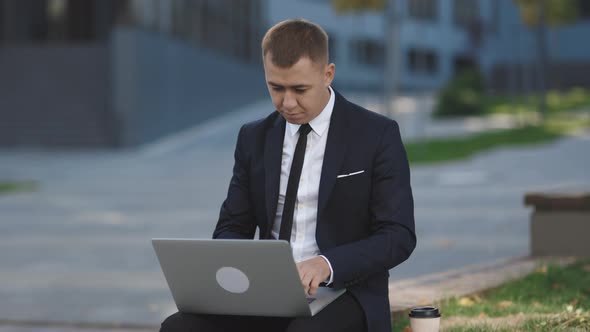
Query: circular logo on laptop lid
[232,280]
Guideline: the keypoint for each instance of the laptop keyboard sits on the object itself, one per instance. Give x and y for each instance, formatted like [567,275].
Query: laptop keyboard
[310,299]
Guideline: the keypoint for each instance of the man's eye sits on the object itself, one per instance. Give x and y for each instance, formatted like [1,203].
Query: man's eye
[300,90]
[277,88]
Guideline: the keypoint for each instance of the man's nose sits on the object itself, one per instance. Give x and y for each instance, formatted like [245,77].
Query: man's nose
[289,101]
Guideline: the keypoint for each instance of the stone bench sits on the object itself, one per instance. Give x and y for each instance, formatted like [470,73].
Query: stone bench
[560,224]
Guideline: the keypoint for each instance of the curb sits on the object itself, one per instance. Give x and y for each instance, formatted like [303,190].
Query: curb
[77,326]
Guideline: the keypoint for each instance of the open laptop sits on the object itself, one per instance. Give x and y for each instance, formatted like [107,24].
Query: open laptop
[237,277]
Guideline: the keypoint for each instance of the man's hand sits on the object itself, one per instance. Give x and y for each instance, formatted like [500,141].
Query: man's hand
[312,272]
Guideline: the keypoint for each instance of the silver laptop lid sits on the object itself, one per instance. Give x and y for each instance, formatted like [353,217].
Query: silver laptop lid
[233,277]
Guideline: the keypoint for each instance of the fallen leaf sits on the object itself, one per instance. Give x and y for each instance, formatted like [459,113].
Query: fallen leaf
[446,243]
[476,298]
[505,304]
[482,315]
[424,301]
[407,329]
[574,302]
[537,304]
[556,286]
[542,269]
[466,302]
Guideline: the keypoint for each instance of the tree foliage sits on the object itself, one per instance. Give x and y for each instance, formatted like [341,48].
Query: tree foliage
[461,96]
[342,6]
[557,12]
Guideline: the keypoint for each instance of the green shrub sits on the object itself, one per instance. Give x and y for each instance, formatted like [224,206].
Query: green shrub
[463,95]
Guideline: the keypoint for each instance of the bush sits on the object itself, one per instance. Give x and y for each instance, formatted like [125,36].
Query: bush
[463,95]
[573,99]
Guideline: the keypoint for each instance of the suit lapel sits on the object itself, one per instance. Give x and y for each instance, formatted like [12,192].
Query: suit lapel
[273,149]
[336,146]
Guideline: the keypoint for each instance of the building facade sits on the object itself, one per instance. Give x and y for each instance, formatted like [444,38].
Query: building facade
[116,73]
[119,73]
[439,38]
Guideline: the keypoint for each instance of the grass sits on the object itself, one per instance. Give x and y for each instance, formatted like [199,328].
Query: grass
[572,100]
[8,187]
[567,112]
[550,299]
[439,150]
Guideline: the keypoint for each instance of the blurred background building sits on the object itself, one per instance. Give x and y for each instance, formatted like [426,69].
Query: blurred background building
[119,73]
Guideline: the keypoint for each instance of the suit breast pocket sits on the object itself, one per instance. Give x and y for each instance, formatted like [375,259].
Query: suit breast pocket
[352,185]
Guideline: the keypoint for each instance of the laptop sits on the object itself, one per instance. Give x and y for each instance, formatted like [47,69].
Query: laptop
[237,277]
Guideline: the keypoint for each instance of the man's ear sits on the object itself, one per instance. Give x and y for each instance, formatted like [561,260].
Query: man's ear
[329,74]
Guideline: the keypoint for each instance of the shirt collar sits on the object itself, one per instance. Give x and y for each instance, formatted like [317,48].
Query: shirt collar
[321,122]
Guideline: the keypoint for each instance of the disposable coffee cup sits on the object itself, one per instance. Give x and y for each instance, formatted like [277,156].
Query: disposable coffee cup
[425,319]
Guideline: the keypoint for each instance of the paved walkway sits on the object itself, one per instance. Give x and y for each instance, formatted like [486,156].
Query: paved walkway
[53,326]
[78,249]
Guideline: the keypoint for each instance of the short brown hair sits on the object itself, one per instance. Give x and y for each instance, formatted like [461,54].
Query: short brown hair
[290,40]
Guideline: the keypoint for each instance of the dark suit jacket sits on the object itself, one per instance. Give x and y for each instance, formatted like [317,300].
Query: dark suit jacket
[365,222]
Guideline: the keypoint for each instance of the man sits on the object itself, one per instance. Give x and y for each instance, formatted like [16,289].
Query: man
[328,176]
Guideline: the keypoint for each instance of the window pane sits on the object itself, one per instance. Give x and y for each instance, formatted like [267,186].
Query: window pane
[465,12]
[423,9]
[422,61]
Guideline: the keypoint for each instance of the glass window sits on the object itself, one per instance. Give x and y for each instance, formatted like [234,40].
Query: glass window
[55,20]
[368,52]
[465,12]
[423,9]
[422,61]
[584,9]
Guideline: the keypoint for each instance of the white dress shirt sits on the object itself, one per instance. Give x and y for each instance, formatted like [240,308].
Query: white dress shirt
[303,241]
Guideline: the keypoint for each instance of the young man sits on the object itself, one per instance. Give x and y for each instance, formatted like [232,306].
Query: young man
[328,176]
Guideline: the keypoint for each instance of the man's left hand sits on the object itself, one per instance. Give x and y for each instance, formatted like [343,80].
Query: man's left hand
[312,272]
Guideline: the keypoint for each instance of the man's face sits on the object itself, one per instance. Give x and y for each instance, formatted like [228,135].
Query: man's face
[299,92]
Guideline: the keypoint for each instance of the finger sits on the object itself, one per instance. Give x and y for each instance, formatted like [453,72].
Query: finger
[313,286]
[305,282]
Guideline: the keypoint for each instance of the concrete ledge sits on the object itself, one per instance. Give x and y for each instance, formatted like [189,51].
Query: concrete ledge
[407,293]
[558,201]
[560,233]
[559,224]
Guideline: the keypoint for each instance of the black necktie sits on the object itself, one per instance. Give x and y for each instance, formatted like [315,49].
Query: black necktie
[293,184]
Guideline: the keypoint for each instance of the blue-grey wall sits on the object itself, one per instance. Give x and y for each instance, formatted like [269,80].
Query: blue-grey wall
[570,43]
[55,96]
[161,85]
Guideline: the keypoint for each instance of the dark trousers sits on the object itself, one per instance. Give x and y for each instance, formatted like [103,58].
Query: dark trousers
[342,315]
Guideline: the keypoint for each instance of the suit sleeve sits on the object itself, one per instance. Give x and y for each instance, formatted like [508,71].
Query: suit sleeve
[392,237]
[236,219]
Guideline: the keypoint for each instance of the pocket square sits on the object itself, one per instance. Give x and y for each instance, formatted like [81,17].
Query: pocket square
[349,174]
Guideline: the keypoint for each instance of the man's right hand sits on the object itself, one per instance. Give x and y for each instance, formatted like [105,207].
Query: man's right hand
[312,272]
